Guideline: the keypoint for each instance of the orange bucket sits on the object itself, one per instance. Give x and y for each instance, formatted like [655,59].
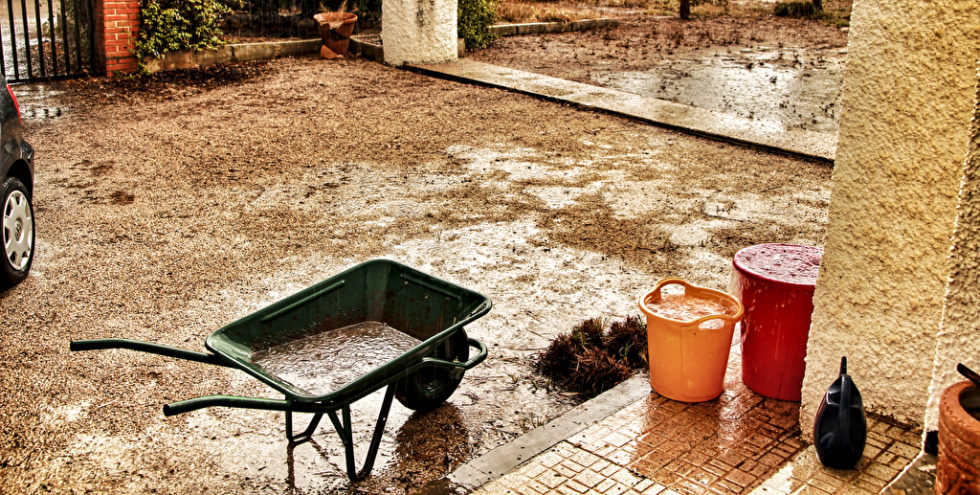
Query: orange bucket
[689,337]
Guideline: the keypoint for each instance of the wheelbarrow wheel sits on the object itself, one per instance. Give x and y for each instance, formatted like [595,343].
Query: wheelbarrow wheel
[430,386]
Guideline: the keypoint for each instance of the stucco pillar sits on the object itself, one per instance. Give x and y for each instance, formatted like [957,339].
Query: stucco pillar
[418,31]
[904,128]
[959,335]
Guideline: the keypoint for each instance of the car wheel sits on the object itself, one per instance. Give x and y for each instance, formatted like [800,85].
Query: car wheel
[17,232]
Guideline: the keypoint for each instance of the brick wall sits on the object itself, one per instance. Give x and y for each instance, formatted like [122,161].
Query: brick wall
[116,25]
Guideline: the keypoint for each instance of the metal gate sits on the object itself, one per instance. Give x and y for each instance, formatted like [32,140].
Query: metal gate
[279,19]
[46,39]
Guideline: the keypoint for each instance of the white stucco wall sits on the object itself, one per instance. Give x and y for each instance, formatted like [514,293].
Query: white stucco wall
[959,335]
[904,128]
[418,31]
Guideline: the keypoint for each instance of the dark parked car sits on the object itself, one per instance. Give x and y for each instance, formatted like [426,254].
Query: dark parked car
[16,193]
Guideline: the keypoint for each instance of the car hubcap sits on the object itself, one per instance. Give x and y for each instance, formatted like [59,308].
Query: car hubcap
[18,227]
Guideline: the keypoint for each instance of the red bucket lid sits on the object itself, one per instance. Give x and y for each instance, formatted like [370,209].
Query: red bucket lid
[792,264]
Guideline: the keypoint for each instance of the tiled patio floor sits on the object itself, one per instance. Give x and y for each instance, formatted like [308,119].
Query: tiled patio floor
[739,443]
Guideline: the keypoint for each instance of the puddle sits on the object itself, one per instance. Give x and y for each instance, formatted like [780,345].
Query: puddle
[796,88]
[253,446]
[329,360]
[692,234]
[39,102]
[749,207]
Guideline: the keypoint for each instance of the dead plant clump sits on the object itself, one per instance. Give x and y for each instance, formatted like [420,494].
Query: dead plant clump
[589,332]
[595,372]
[590,360]
[627,341]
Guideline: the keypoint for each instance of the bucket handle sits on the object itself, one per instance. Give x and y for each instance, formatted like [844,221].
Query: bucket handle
[679,281]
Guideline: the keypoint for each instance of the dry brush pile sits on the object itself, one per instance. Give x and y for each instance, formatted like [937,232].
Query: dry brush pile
[591,358]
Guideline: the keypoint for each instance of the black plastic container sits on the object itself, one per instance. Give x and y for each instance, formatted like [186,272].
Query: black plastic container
[840,429]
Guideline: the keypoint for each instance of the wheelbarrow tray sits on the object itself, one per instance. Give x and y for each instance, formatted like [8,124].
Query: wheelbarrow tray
[420,305]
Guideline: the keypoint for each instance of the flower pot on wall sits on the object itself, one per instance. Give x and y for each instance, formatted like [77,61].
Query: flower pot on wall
[335,30]
[958,462]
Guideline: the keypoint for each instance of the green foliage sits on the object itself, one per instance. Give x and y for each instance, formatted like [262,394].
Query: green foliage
[172,25]
[475,19]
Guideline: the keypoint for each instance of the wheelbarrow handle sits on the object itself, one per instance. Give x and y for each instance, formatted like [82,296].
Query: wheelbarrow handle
[137,345]
[196,403]
[475,360]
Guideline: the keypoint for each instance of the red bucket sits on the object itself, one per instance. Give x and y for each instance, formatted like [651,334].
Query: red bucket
[775,283]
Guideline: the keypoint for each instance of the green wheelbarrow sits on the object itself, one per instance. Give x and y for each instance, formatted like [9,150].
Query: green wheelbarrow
[379,324]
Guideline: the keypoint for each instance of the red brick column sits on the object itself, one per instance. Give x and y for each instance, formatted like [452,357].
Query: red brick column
[116,25]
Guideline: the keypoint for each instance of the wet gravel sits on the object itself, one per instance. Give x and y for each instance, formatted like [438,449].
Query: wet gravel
[168,208]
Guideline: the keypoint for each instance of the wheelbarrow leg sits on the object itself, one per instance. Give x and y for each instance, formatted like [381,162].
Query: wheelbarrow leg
[347,436]
[296,439]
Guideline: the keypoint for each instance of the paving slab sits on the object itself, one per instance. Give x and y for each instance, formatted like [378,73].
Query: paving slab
[507,457]
[739,443]
[764,134]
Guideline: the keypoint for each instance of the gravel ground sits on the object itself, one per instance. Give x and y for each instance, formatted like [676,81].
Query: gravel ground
[170,207]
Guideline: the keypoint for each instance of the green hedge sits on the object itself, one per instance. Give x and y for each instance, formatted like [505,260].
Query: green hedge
[475,19]
[173,25]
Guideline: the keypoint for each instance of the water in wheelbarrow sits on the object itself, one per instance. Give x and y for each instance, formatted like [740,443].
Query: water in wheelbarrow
[326,361]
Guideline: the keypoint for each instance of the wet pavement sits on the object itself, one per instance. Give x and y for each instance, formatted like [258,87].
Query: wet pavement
[729,126]
[797,87]
[38,101]
[739,443]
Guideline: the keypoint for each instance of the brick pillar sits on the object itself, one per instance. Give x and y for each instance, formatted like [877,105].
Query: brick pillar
[116,25]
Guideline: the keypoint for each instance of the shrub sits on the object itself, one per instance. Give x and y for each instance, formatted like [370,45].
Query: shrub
[474,21]
[627,341]
[595,372]
[558,361]
[589,360]
[172,25]
[798,9]
[589,332]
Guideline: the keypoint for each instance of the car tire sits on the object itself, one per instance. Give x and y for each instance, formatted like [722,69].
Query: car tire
[16,231]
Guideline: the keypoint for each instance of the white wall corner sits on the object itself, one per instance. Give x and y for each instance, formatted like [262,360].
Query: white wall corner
[959,334]
[904,126]
[418,31]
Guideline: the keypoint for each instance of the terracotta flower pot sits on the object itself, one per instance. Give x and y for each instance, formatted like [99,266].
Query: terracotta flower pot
[336,29]
[958,463]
